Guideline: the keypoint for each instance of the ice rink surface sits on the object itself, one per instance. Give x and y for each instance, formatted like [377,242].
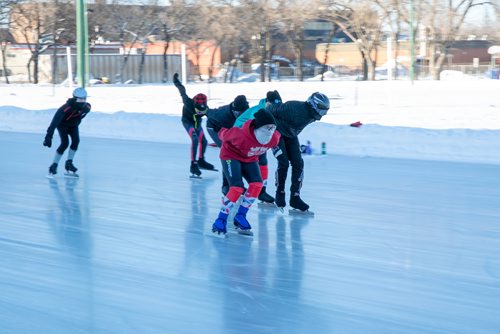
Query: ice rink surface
[395,246]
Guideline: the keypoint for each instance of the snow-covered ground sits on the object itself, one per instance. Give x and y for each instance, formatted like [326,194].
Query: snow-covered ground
[429,120]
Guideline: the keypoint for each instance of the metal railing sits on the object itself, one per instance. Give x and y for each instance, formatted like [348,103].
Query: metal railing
[109,66]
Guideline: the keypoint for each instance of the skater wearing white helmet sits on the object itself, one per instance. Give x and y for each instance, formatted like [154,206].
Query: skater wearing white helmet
[66,120]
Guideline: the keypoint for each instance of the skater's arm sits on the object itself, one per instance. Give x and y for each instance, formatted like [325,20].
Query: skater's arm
[58,117]
[249,113]
[180,87]
[86,110]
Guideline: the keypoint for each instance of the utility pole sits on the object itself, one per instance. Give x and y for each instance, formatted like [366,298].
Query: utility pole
[82,43]
[412,42]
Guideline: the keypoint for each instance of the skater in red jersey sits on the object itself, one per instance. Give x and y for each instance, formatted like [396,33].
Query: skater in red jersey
[240,151]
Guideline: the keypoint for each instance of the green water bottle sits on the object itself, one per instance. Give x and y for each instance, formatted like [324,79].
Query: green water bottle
[323,148]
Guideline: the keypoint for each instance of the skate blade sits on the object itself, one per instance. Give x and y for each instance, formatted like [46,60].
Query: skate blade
[50,176]
[281,208]
[210,170]
[219,235]
[300,212]
[71,175]
[193,176]
[268,204]
[244,232]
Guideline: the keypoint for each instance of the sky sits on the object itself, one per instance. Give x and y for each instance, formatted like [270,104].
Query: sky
[449,120]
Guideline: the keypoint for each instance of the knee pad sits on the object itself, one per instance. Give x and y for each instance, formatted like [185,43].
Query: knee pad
[234,193]
[264,172]
[254,189]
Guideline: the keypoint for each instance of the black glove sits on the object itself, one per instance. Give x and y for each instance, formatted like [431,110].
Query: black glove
[47,141]
[176,78]
[273,97]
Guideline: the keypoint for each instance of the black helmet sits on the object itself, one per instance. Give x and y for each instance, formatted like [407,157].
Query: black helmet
[319,102]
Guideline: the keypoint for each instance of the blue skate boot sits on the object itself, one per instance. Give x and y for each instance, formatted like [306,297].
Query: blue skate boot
[219,226]
[241,223]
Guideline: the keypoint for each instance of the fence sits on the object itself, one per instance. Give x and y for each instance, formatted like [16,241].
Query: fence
[110,66]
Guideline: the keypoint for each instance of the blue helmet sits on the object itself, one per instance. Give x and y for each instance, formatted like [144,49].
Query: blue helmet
[319,102]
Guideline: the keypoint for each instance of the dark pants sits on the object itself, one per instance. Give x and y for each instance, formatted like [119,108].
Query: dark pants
[235,171]
[64,133]
[198,140]
[215,137]
[288,153]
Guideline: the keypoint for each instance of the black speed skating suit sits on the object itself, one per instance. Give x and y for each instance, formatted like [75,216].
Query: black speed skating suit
[192,121]
[291,118]
[66,120]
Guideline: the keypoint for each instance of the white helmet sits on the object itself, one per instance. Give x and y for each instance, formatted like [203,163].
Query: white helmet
[80,93]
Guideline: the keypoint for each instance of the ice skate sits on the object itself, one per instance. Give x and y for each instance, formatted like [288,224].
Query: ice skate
[280,200]
[264,197]
[219,226]
[52,171]
[202,164]
[194,170]
[299,205]
[70,169]
[241,223]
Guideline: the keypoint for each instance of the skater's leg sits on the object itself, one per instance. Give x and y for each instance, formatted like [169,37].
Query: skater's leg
[71,154]
[63,133]
[264,172]
[193,169]
[202,143]
[75,141]
[194,143]
[232,168]
[251,174]
[57,158]
[193,135]
[295,157]
[75,138]
[293,149]
[281,155]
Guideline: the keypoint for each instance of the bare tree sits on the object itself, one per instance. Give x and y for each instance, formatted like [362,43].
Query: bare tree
[294,16]
[395,14]
[5,23]
[443,23]
[362,22]
[30,21]
[173,21]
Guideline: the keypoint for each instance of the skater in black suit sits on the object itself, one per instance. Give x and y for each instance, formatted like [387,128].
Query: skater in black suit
[66,120]
[291,118]
[192,112]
